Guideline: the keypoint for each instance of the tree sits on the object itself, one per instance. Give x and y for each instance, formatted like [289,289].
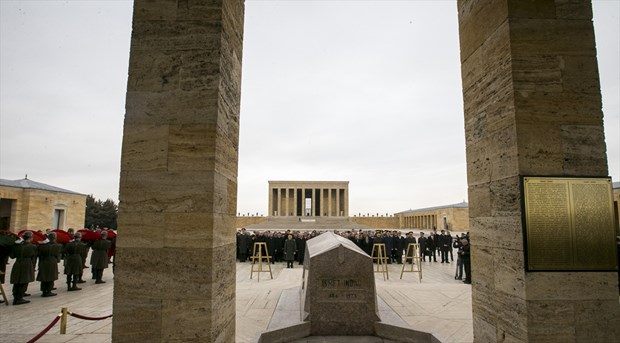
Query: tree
[102,213]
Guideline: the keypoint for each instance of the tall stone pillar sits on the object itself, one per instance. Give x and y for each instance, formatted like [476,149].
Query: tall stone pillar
[287,201]
[329,201]
[303,202]
[322,197]
[313,196]
[532,107]
[346,202]
[175,259]
[279,201]
[295,202]
[270,213]
[338,202]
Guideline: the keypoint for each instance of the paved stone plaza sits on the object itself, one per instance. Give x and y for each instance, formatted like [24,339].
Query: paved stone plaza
[439,305]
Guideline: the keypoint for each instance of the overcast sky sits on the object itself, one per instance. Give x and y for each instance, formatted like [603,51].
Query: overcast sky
[361,91]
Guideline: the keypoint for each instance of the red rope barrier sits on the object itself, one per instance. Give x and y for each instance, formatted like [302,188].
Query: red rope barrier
[88,318]
[51,325]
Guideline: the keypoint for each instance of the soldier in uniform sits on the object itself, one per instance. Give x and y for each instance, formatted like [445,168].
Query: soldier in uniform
[99,256]
[83,247]
[49,256]
[73,262]
[22,273]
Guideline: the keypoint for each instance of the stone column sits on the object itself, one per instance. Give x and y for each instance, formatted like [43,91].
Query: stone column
[337,202]
[313,202]
[295,202]
[532,107]
[279,201]
[329,201]
[270,213]
[287,200]
[322,202]
[346,202]
[175,260]
[303,202]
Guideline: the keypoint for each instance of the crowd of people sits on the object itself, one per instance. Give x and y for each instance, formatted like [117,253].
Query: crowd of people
[436,245]
[45,256]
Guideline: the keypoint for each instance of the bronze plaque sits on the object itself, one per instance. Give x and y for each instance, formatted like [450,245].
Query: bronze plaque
[569,224]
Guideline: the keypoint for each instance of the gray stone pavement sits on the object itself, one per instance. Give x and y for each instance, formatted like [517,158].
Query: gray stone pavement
[440,305]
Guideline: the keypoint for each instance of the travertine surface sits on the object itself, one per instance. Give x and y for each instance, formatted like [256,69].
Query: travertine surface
[339,288]
[175,264]
[532,107]
[34,208]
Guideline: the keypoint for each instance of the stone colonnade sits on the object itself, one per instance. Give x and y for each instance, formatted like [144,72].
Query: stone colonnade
[428,221]
[532,107]
[327,198]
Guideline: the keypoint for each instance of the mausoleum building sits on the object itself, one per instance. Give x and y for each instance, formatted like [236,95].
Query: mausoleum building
[309,198]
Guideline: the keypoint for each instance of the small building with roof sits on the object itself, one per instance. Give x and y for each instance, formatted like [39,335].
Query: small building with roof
[27,204]
[453,217]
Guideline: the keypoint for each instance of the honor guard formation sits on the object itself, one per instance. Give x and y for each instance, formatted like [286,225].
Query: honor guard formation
[38,253]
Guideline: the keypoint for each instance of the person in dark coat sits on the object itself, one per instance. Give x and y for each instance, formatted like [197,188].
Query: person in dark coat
[99,256]
[431,246]
[280,240]
[290,247]
[73,262]
[49,256]
[389,245]
[22,273]
[378,239]
[409,240]
[271,246]
[366,243]
[422,243]
[398,247]
[465,255]
[445,242]
[301,247]
[244,245]
[459,259]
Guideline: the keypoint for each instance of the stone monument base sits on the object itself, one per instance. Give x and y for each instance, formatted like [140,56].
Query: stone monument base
[286,326]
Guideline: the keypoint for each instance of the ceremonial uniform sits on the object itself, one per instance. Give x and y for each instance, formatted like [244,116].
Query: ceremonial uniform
[73,264]
[49,256]
[99,258]
[23,270]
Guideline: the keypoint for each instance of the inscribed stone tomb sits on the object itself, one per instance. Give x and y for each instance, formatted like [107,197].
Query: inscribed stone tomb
[339,287]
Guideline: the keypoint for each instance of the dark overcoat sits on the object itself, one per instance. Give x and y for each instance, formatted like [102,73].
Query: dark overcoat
[244,243]
[99,256]
[73,258]
[422,242]
[23,268]
[289,249]
[49,256]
